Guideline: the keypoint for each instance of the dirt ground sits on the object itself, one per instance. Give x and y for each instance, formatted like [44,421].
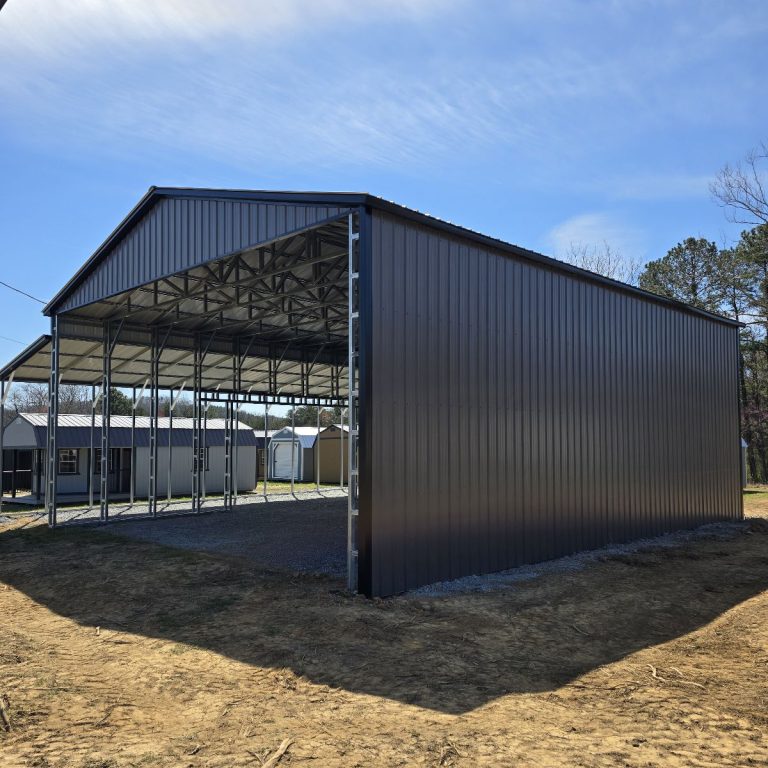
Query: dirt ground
[117,653]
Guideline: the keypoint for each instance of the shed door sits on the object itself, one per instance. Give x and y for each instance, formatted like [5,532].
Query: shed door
[281,467]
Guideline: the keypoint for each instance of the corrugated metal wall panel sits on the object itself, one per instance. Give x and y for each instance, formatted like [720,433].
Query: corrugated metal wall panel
[521,414]
[179,233]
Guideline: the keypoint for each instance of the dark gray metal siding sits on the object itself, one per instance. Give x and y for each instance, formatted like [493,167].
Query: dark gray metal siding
[520,414]
[179,233]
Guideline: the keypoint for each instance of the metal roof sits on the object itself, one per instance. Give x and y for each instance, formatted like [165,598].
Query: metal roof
[81,362]
[74,431]
[305,436]
[142,422]
[349,200]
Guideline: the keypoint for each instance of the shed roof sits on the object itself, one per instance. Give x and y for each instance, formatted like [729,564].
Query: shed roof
[305,436]
[74,431]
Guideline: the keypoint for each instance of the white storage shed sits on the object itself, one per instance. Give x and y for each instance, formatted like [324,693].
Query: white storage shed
[301,443]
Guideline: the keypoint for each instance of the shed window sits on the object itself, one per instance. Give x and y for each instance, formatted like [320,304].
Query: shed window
[68,461]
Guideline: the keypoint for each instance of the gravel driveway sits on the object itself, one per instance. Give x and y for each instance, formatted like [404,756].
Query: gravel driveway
[305,535]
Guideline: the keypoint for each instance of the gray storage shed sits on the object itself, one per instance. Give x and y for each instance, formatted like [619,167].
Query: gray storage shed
[504,407]
[29,432]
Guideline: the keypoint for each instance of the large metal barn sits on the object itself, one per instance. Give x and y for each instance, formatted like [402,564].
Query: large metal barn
[504,407]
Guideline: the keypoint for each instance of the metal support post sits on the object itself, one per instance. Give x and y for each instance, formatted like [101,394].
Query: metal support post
[196,403]
[171,406]
[106,402]
[92,449]
[235,426]
[341,448]
[204,477]
[154,396]
[353,363]
[317,453]
[236,386]
[134,404]
[266,447]
[293,447]
[51,478]
[227,454]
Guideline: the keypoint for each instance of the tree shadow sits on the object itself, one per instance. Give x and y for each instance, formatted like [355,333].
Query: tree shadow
[451,654]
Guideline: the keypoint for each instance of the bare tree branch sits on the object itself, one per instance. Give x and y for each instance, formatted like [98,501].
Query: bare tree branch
[740,189]
[603,260]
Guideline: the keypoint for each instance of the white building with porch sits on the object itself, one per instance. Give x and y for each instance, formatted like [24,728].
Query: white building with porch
[79,457]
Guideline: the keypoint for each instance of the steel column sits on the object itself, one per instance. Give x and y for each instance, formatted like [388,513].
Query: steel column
[317,453]
[293,448]
[51,478]
[353,361]
[106,402]
[196,403]
[341,448]
[171,406]
[266,447]
[154,396]
[92,449]
[204,477]
[236,421]
[227,455]
[134,404]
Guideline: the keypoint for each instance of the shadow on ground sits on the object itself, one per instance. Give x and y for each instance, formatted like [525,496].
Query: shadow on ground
[450,654]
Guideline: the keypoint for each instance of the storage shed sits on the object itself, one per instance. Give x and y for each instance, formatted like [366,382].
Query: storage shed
[334,453]
[262,447]
[27,435]
[301,442]
[504,407]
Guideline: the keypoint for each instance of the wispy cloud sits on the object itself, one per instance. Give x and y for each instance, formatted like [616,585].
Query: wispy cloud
[308,81]
[58,28]
[594,229]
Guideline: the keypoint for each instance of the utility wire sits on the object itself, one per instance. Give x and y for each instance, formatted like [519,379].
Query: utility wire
[8,338]
[23,293]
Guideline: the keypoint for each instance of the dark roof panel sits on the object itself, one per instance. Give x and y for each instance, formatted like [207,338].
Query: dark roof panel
[328,204]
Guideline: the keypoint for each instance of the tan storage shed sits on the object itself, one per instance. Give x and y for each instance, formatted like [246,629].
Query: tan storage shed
[332,448]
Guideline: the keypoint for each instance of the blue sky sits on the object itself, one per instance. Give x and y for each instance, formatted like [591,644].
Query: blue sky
[543,123]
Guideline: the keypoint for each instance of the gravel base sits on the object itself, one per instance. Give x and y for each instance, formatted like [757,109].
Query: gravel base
[507,579]
[121,510]
[306,535]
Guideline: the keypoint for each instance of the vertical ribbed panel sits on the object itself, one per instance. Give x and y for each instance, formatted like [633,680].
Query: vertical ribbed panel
[522,414]
[179,233]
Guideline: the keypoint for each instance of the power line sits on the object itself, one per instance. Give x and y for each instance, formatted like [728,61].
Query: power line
[23,293]
[8,338]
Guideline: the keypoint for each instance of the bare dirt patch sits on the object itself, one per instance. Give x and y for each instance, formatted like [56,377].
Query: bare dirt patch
[116,653]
